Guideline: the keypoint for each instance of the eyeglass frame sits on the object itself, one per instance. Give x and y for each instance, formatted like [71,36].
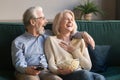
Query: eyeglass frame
[43,18]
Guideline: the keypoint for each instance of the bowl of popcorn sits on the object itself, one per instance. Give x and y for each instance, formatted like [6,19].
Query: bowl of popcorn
[72,64]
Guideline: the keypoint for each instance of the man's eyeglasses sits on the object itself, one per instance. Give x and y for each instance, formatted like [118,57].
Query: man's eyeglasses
[42,18]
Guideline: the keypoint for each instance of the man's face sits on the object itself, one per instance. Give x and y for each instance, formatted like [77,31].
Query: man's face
[40,22]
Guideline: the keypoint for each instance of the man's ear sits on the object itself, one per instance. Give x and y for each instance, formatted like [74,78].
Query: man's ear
[32,22]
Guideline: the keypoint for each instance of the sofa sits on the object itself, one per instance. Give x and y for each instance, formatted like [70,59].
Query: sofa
[104,32]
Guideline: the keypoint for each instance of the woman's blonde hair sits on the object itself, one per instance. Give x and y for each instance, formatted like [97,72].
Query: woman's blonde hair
[57,20]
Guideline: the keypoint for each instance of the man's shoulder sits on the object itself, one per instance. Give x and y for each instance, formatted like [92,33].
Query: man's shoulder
[19,38]
[48,32]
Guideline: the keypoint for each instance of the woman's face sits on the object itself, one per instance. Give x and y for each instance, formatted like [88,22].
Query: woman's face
[66,24]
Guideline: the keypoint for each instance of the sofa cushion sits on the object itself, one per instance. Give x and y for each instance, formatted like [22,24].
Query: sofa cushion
[98,57]
[7,75]
[112,73]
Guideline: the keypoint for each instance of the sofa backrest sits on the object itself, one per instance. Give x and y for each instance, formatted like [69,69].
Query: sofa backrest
[8,32]
[103,32]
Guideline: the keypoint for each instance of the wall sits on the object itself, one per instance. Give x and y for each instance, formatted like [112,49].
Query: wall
[12,10]
[118,9]
[109,9]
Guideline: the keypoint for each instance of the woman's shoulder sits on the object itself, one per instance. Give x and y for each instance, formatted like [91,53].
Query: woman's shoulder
[51,37]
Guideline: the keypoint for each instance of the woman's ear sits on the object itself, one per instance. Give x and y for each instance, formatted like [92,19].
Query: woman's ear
[32,22]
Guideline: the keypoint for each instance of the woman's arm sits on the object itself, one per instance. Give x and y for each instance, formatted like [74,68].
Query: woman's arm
[82,54]
[50,56]
[79,51]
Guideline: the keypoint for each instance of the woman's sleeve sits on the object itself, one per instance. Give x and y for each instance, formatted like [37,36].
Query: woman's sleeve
[50,55]
[83,55]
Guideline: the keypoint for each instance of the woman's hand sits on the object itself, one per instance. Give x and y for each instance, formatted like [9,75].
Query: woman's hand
[31,70]
[67,47]
[64,72]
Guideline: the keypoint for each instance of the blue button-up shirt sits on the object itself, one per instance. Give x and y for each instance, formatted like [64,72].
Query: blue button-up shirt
[28,50]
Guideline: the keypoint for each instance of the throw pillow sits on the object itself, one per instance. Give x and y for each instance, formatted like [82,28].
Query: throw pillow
[98,57]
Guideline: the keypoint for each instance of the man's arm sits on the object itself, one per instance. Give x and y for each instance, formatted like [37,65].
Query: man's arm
[18,60]
[17,57]
[87,38]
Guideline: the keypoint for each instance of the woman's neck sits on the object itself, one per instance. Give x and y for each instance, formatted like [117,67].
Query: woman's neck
[65,37]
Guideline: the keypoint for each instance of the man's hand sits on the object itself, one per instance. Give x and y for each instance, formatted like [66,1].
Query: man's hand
[87,38]
[31,70]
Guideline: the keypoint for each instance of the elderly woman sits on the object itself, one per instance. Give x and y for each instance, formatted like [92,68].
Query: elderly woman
[63,47]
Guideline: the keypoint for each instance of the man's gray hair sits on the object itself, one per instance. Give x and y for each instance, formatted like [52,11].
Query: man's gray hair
[29,14]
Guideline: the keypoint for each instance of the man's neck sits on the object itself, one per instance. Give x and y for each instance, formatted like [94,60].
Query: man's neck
[33,32]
